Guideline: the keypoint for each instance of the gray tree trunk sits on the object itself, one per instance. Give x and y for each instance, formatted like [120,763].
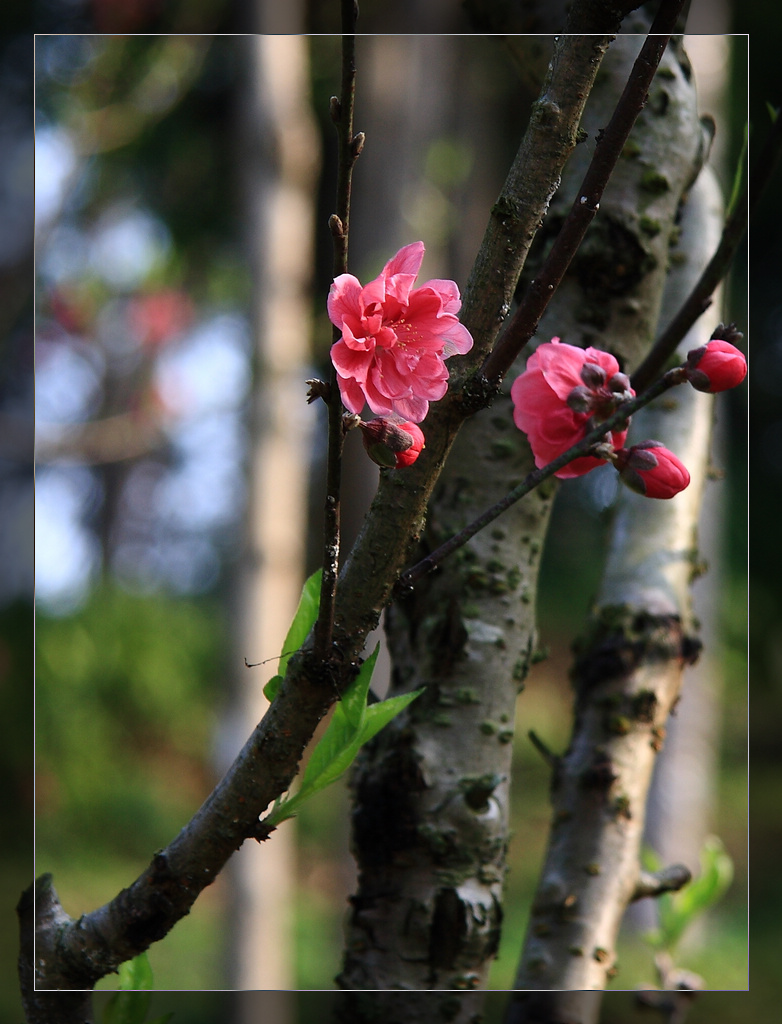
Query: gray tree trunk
[430,825]
[628,677]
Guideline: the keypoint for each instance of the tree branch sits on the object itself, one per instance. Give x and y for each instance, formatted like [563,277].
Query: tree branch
[669,879]
[585,205]
[627,677]
[341,109]
[583,447]
[700,298]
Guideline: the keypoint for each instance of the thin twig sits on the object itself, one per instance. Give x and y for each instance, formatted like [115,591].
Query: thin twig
[607,152]
[699,299]
[341,109]
[536,477]
[552,760]
[667,879]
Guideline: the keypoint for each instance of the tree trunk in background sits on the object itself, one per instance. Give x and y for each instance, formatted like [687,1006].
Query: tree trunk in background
[682,795]
[430,823]
[279,159]
[628,676]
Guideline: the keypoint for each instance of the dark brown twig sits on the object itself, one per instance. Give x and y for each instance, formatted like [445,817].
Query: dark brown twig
[668,879]
[341,109]
[699,299]
[535,478]
[607,152]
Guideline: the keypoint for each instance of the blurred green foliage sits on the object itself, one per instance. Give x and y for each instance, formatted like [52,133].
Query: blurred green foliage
[126,702]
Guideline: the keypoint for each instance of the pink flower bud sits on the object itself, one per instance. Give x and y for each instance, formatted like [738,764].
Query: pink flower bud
[715,366]
[392,444]
[650,469]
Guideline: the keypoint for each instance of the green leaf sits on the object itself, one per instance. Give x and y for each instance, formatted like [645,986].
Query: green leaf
[710,886]
[676,911]
[353,723]
[773,112]
[380,714]
[272,688]
[353,704]
[303,620]
[127,1008]
[136,974]
[131,1003]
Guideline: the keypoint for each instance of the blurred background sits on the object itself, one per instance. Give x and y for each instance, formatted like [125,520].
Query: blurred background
[183,182]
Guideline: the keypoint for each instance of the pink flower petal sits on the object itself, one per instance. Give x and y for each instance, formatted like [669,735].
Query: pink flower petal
[412,408]
[561,366]
[378,403]
[407,261]
[343,299]
[350,363]
[448,292]
[398,288]
[458,342]
[352,395]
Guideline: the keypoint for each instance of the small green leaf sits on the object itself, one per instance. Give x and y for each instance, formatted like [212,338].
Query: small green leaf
[677,910]
[773,112]
[127,1008]
[353,723]
[380,714]
[131,1003]
[136,974]
[715,877]
[353,704]
[303,620]
[272,688]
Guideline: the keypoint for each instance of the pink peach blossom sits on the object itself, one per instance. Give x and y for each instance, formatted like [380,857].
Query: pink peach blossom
[564,393]
[395,338]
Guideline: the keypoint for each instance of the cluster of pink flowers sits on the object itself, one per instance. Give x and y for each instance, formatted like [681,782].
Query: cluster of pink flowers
[391,356]
[565,392]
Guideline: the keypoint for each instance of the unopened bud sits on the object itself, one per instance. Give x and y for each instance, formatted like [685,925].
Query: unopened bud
[593,376]
[650,469]
[391,444]
[716,366]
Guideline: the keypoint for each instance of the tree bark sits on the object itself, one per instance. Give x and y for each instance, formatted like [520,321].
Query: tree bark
[430,824]
[627,677]
[428,908]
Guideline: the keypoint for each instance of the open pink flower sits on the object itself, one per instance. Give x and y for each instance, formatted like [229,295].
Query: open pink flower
[652,470]
[564,393]
[395,338]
